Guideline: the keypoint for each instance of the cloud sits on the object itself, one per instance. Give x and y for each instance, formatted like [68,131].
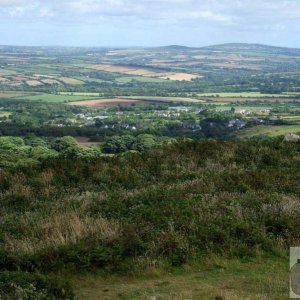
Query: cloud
[219,18]
[232,12]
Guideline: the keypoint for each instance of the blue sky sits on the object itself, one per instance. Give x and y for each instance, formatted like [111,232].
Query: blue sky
[149,22]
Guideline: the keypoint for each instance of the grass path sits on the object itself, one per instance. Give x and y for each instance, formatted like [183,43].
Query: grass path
[263,279]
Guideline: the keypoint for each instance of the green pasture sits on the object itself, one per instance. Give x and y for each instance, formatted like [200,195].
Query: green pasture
[139,79]
[269,130]
[55,98]
[165,99]
[247,95]
[7,72]
[237,108]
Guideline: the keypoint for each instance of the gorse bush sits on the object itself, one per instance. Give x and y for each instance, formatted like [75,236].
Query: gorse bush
[171,204]
[21,285]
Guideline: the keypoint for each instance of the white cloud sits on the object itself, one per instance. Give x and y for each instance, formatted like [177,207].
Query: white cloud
[239,14]
[218,11]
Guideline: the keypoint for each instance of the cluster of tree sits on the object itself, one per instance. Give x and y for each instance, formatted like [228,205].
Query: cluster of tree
[142,142]
[16,151]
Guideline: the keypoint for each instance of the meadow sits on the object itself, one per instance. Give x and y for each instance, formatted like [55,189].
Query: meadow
[204,280]
[55,98]
[269,131]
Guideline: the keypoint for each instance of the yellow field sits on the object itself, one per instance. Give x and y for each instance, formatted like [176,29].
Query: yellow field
[144,72]
[112,69]
[141,72]
[14,94]
[33,82]
[180,76]
[68,80]
[50,81]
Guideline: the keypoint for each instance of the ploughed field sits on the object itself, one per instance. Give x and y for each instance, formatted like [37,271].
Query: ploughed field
[104,102]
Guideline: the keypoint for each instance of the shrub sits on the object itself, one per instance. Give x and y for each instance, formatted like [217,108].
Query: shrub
[21,285]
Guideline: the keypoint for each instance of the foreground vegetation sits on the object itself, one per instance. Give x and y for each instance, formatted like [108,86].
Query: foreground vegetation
[163,208]
[211,278]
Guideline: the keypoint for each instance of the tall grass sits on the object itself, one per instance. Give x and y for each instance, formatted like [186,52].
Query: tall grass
[170,205]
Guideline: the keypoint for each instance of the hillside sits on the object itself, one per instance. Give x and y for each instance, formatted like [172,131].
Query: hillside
[165,208]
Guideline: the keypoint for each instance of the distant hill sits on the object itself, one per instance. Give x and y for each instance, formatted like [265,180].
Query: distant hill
[259,48]
[176,48]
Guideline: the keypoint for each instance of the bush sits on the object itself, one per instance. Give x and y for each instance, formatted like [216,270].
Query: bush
[21,285]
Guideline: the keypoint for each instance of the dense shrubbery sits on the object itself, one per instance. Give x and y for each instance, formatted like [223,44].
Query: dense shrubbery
[21,285]
[17,152]
[172,204]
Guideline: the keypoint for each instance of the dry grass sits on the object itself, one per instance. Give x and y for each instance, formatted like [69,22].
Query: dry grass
[59,230]
[144,72]
[33,83]
[11,94]
[50,81]
[112,68]
[68,80]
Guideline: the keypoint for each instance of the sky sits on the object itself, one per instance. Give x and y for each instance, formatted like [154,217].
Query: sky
[127,23]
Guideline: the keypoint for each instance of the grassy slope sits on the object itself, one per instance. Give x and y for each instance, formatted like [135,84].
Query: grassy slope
[231,279]
[269,130]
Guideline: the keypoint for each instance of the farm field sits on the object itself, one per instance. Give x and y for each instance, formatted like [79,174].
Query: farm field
[85,94]
[54,98]
[139,79]
[165,99]
[7,95]
[71,81]
[247,95]
[161,74]
[104,102]
[238,108]
[291,118]
[270,131]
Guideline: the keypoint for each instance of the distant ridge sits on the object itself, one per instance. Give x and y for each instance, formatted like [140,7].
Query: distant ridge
[175,47]
[244,47]
[227,47]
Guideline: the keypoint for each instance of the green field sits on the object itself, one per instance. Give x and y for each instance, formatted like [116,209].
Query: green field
[55,98]
[165,99]
[271,130]
[5,72]
[227,279]
[247,95]
[291,118]
[85,94]
[257,108]
[139,79]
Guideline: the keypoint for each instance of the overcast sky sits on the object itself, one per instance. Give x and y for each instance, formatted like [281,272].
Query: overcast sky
[149,22]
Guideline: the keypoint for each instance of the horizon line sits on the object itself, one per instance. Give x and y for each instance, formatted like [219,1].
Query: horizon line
[143,47]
